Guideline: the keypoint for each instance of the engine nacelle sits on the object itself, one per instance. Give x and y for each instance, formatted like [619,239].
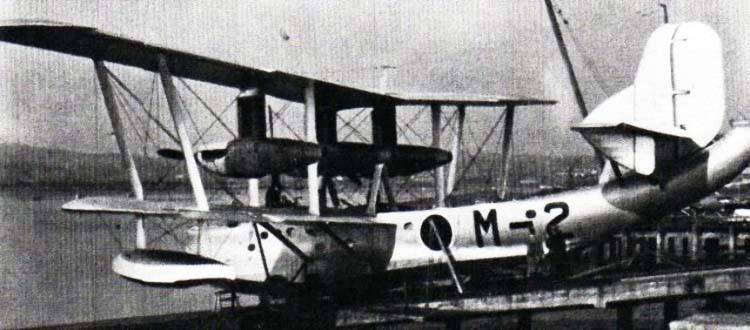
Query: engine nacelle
[358,159]
[249,158]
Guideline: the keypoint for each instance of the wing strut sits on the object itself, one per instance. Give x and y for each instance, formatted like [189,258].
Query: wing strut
[179,116]
[127,158]
[384,138]
[251,124]
[372,199]
[261,250]
[312,169]
[449,255]
[507,139]
[456,149]
[439,171]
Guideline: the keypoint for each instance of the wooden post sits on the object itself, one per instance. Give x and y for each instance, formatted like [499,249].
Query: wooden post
[439,171]
[179,117]
[127,158]
[310,136]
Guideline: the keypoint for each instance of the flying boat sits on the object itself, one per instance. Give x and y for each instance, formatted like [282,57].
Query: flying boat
[660,139]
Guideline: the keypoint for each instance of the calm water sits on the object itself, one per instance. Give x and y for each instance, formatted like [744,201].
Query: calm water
[56,266]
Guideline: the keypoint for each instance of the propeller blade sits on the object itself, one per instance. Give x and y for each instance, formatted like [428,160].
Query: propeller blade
[170,154]
[206,154]
[213,154]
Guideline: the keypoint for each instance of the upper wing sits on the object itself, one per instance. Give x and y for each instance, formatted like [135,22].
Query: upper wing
[92,43]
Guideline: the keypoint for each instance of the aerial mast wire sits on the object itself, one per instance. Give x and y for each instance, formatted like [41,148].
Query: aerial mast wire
[566,58]
[569,67]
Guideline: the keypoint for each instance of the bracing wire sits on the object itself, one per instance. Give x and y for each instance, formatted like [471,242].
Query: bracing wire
[205,105]
[143,106]
[473,158]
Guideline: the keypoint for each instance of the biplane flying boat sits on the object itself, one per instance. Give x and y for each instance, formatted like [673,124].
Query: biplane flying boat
[659,137]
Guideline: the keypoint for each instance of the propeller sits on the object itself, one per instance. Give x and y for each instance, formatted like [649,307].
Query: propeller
[206,154]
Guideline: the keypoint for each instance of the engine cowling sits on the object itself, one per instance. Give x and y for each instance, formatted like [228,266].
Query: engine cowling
[252,158]
[358,159]
[248,158]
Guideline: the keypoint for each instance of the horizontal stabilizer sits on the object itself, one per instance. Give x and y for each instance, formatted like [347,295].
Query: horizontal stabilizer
[162,266]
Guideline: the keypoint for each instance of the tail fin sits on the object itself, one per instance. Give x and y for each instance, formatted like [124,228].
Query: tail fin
[675,104]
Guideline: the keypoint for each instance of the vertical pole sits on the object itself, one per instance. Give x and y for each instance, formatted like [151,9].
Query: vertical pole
[310,136]
[507,138]
[178,116]
[127,158]
[439,171]
[456,149]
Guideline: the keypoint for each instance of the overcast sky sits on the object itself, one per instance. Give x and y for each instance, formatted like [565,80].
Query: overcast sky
[499,47]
